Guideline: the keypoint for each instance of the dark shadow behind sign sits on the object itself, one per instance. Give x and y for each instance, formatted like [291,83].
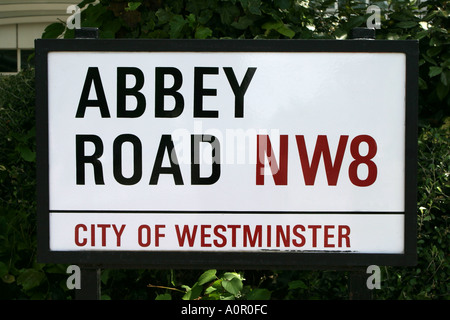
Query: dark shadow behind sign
[224,259]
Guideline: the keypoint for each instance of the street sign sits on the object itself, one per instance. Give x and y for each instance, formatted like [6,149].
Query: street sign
[176,153]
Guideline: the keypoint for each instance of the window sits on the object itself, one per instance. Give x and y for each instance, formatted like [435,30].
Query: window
[8,60]
[14,60]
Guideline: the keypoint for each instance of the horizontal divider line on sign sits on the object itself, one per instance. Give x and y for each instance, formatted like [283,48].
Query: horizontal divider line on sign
[225,212]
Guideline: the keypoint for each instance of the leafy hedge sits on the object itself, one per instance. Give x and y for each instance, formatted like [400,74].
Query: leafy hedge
[22,278]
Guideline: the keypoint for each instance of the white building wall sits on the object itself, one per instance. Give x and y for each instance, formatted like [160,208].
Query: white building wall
[23,21]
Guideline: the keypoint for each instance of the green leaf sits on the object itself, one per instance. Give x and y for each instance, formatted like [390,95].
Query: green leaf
[69,34]
[354,22]
[422,34]
[111,25]
[435,41]
[53,31]
[95,16]
[231,275]
[191,20]
[164,296]
[228,14]
[422,84]
[243,23]
[233,286]
[203,32]
[434,71]
[232,283]
[407,24]
[259,294]
[176,24]
[434,51]
[205,16]
[272,25]
[207,276]
[286,31]
[429,60]
[187,288]
[163,16]
[445,77]
[30,278]
[132,6]
[280,27]
[8,278]
[194,292]
[26,153]
[210,290]
[254,6]
[104,276]
[405,16]
[442,91]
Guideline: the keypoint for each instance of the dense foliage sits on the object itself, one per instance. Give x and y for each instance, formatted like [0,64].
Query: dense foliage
[22,278]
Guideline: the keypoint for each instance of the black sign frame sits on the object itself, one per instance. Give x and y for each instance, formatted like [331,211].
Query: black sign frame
[243,260]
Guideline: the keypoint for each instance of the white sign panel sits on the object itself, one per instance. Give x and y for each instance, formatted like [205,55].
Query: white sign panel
[226,151]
